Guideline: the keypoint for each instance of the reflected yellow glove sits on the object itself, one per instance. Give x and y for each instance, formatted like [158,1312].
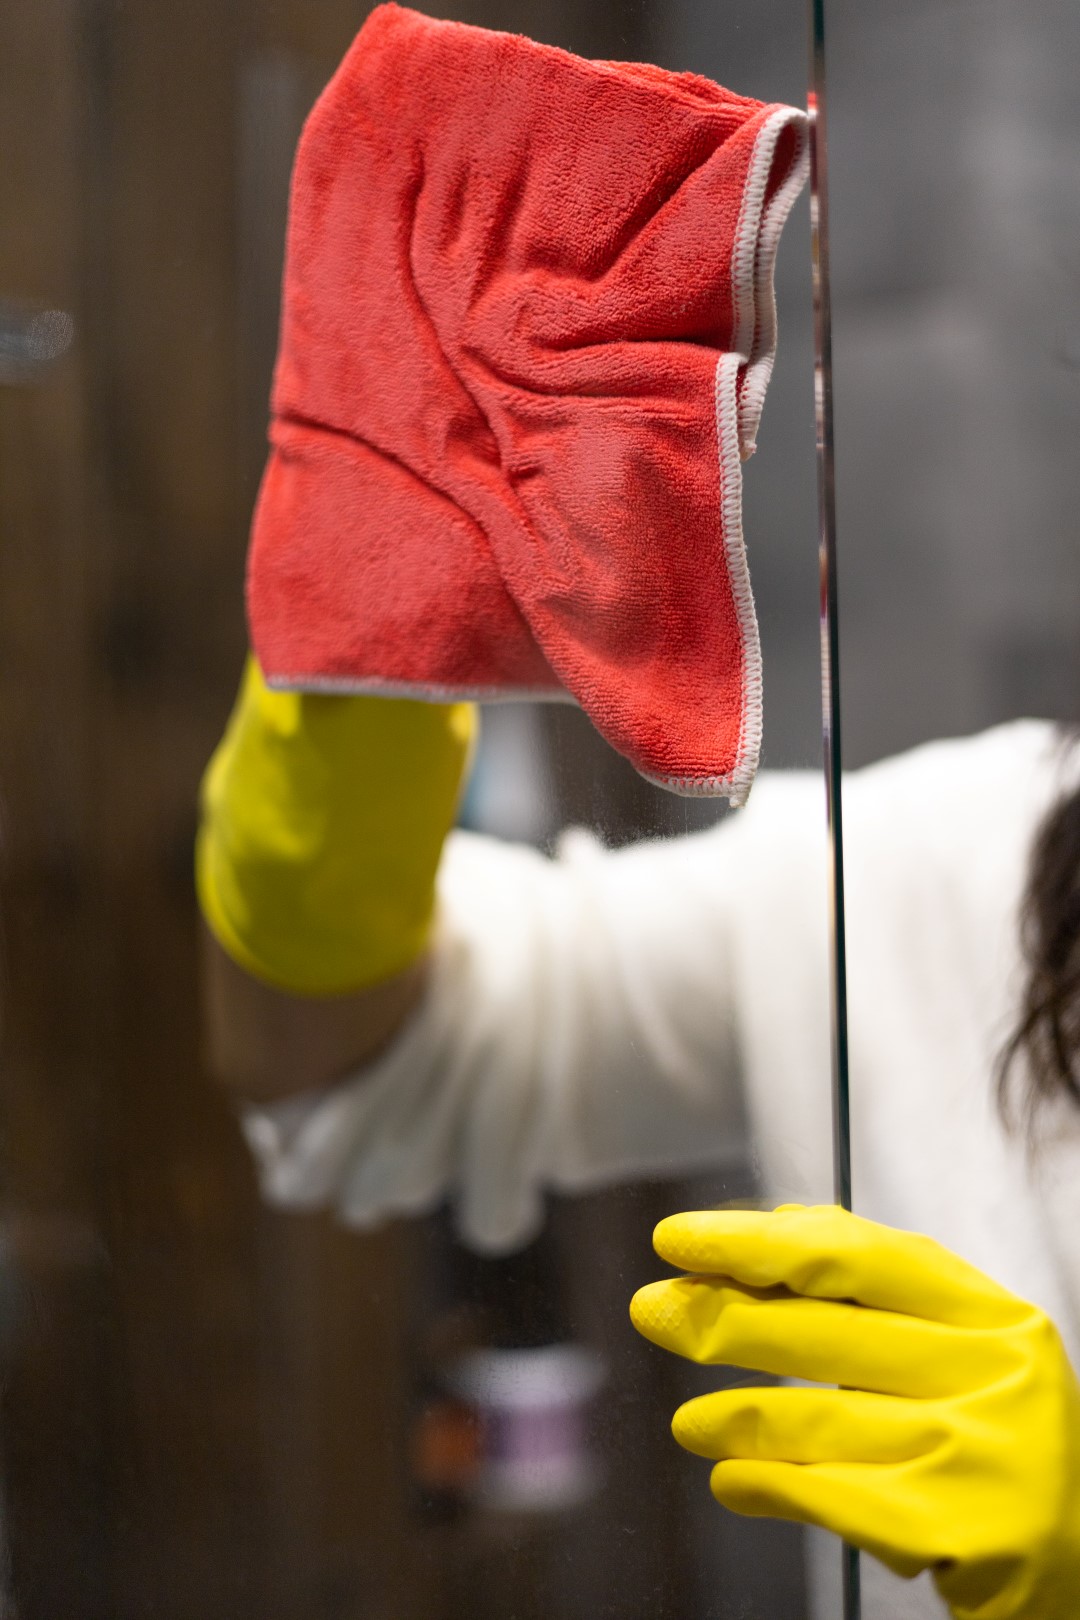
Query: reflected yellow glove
[322,823]
[954,1443]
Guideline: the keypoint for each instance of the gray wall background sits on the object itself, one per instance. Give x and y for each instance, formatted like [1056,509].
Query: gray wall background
[955,180]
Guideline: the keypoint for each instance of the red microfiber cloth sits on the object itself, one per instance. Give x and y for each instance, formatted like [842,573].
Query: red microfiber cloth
[527,328]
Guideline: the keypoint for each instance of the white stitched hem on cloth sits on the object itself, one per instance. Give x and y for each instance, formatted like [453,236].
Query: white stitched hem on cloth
[753,262]
[422,692]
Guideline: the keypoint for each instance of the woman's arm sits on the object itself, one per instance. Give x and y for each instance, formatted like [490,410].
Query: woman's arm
[541,1024]
[580,1024]
[263,1044]
[322,824]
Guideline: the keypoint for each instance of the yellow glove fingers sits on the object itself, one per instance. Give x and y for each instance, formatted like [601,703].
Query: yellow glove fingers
[826,1253]
[711,1320]
[853,1501]
[808,1426]
[974,1472]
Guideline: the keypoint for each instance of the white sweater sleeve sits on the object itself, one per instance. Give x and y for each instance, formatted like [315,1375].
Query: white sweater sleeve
[581,1026]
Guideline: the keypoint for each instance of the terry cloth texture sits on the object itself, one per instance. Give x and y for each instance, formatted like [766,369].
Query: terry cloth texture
[527,328]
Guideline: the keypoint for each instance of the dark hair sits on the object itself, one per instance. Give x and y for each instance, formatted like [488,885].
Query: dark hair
[1047,1036]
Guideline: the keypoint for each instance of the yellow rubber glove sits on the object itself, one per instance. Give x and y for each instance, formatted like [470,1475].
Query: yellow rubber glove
[322,823]
[954,1443]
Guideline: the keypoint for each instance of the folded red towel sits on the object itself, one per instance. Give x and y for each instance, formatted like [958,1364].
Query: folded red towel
[527,328]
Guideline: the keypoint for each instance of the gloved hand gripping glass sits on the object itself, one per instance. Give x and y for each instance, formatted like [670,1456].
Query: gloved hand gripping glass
[953,1443]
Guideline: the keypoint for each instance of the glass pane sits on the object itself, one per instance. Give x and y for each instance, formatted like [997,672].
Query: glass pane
[215,1403]
[954,256]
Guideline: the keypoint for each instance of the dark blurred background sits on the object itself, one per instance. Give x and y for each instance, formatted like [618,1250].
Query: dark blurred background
[210,1408]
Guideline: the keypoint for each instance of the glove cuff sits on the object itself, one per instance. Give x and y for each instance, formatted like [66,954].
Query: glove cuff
[323,820]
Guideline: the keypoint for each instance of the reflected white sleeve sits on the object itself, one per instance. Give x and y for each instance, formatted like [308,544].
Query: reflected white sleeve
[580,1027]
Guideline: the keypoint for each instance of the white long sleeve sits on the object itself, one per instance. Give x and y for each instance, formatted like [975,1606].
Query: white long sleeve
[606,1015]
[578,1028]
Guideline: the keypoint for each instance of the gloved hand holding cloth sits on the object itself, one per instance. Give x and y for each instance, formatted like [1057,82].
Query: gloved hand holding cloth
[527,329]
[953,1443]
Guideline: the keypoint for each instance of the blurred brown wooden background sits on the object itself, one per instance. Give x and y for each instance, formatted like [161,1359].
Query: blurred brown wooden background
[204,1403]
